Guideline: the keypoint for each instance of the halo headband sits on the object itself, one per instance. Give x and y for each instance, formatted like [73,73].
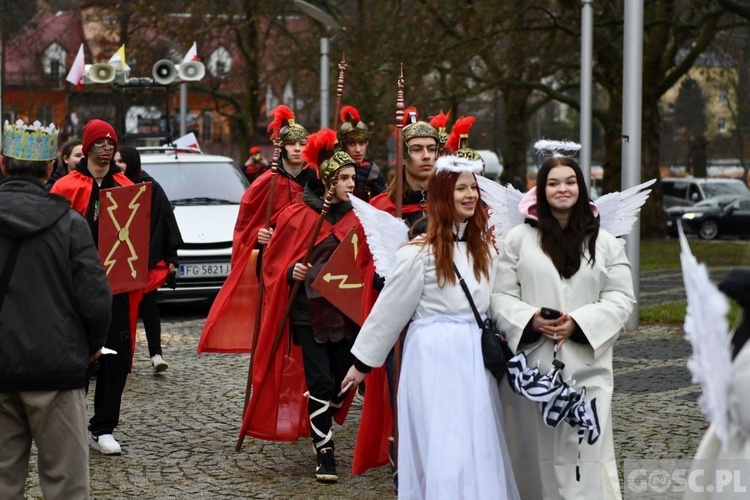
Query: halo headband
[458,164]
[556,149]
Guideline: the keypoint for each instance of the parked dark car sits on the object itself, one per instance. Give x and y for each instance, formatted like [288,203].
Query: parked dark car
[674,214]
[731,220]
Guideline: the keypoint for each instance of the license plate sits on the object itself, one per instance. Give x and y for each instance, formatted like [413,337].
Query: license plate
[197,270]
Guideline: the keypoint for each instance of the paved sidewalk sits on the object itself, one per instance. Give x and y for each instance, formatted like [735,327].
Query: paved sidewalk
[179,429]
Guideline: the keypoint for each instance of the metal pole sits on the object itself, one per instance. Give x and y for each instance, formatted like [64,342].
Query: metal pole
[183,109]
[324,111]
[587,50]
[631,131]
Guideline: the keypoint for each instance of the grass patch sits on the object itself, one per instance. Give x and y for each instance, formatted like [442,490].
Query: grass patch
[665,254]
[674,312]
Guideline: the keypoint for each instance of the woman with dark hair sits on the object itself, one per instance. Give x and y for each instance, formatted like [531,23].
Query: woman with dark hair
[162,255]
[70,155]
[560,259]
[451,442]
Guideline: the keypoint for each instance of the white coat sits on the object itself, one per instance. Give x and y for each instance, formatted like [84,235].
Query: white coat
[599,299]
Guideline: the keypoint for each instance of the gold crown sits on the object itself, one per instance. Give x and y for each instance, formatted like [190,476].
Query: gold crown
[332,165]
[30,142]
[293,132]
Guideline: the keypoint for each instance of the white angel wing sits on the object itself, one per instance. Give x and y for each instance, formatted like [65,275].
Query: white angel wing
[502,202]
[618,211]
[385,233]
[707,330]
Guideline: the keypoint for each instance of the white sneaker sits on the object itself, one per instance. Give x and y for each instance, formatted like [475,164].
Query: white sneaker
[105,444]
[158,363]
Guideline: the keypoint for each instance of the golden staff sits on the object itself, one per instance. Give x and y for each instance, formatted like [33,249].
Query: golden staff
[261,288]
[339,90]
[292,296]
[400,143]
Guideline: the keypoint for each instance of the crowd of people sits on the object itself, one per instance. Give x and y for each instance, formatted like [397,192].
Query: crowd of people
[403,329]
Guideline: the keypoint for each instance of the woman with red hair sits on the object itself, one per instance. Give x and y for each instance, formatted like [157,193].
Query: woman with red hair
[451,442]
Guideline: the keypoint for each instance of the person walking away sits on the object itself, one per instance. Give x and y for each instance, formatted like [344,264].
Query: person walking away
[55,306]
[95,172]
[162,255]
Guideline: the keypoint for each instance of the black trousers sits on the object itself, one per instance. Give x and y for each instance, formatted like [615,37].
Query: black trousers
[112,372]
[149,313]
[325,366]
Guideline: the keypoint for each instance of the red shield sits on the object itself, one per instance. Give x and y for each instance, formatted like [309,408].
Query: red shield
[124,230]
[340,281]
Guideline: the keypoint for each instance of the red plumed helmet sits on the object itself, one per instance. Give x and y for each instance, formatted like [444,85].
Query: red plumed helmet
[407,115]
[320,147]
[281,116]
[440,120]
[350,114]
[460,128]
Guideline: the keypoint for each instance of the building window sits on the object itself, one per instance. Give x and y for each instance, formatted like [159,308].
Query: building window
[53,62]
[220,63]
[722,125]
[44,114]
[207,126]
[723,98]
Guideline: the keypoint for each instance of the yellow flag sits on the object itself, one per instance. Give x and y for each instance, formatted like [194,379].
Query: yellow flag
[119,58]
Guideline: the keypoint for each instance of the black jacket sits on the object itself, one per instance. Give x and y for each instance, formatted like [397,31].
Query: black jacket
[58,305]
[165,234]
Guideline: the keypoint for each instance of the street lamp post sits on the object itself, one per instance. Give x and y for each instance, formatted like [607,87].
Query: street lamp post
[332,26]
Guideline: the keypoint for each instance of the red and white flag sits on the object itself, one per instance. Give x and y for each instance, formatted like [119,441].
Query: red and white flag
[188,142]
[75,75]
[192,54]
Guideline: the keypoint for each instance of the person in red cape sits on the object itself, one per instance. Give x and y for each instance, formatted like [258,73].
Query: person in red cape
[81,186]
[229,325]
[317,339]
[421,143]
[354,138]
[255,164]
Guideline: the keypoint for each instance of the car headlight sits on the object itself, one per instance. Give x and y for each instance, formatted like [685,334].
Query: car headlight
[692,215]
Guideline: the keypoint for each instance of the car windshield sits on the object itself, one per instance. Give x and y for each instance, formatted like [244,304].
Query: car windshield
[719,188]
[188,183]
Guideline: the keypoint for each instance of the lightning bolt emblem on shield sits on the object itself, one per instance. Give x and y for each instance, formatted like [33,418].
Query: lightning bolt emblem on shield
[123,233]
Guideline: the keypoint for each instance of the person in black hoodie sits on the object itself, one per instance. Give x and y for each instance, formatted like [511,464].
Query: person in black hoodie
[55,306]
[162,254]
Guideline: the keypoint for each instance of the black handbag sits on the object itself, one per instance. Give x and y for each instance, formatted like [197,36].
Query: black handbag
[495,349]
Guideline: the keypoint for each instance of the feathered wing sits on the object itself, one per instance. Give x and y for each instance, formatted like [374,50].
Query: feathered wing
[618,211]
[707,330]
[385,233]
[502,202]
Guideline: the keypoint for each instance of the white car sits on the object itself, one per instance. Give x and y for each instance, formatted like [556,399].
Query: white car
[205,191]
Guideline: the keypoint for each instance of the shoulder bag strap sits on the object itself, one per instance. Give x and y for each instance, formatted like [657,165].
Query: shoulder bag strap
[468,296]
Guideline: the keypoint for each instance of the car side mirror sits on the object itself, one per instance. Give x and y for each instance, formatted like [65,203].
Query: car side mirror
[695,197]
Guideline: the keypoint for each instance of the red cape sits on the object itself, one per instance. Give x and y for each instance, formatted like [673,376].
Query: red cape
[77,188]
[376,423]
[230,322]
[278,410]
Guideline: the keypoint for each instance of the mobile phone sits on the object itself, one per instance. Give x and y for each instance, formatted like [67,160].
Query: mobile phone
[346,388]
[548,313]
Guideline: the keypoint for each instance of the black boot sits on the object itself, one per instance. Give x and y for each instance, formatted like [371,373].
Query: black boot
[326,469]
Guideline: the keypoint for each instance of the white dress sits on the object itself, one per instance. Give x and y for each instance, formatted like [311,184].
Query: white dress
[451,442]
[600,300]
